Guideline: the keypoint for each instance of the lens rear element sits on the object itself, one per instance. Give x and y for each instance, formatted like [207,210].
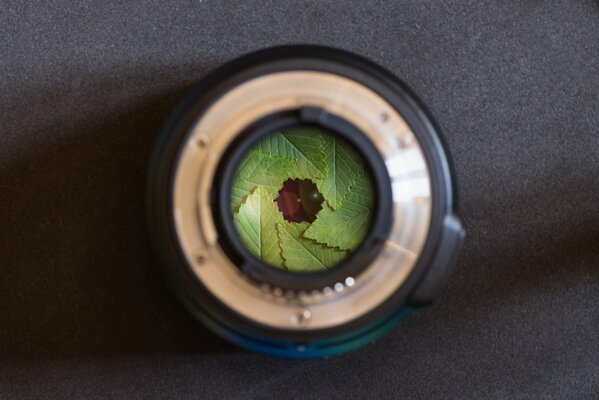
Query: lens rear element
[302,199]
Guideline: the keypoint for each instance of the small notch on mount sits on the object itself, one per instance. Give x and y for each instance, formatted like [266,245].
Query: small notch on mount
[314,115]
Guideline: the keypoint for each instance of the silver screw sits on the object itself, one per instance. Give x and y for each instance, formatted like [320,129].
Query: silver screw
[405,142]
[202,140]
[301,317]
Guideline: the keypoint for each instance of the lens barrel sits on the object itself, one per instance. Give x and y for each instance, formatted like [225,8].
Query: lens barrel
[360,270]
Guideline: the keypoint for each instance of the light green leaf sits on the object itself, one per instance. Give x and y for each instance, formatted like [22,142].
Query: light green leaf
[258,170]
[256,224]
[300,145]
[302,254]
[343,167]
[347,226]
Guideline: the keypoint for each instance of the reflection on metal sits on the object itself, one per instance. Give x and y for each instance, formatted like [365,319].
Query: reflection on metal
[375,117]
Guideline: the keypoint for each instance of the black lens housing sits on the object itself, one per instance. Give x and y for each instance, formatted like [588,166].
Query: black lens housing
[433,264]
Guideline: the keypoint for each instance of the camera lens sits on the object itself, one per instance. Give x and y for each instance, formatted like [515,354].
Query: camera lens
[301,202]
[302,199]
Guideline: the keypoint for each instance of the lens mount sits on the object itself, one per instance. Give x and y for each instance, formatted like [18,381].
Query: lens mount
[265,274]
[190,221]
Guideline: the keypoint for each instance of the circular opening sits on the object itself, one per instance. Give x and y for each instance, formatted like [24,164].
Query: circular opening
[302,199]
[299,200]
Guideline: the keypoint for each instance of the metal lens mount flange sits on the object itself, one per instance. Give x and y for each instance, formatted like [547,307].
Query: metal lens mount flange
[415,237]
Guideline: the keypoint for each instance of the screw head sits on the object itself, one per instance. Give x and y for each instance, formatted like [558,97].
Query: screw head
[301,317]
[405,142]
[202,140]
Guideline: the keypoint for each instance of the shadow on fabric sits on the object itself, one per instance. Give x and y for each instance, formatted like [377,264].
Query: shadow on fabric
[79,278]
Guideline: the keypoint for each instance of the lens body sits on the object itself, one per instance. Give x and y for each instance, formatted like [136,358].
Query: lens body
[301,202]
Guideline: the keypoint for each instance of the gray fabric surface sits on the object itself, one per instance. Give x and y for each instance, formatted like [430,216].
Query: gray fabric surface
[84,88]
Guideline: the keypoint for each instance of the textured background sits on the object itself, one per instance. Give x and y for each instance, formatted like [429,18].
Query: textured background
[84,88]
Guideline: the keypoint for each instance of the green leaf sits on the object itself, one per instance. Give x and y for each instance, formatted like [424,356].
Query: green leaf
[256,224]
[343,167]
[300,145]
[347,226]
[302,254]
[258,170]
